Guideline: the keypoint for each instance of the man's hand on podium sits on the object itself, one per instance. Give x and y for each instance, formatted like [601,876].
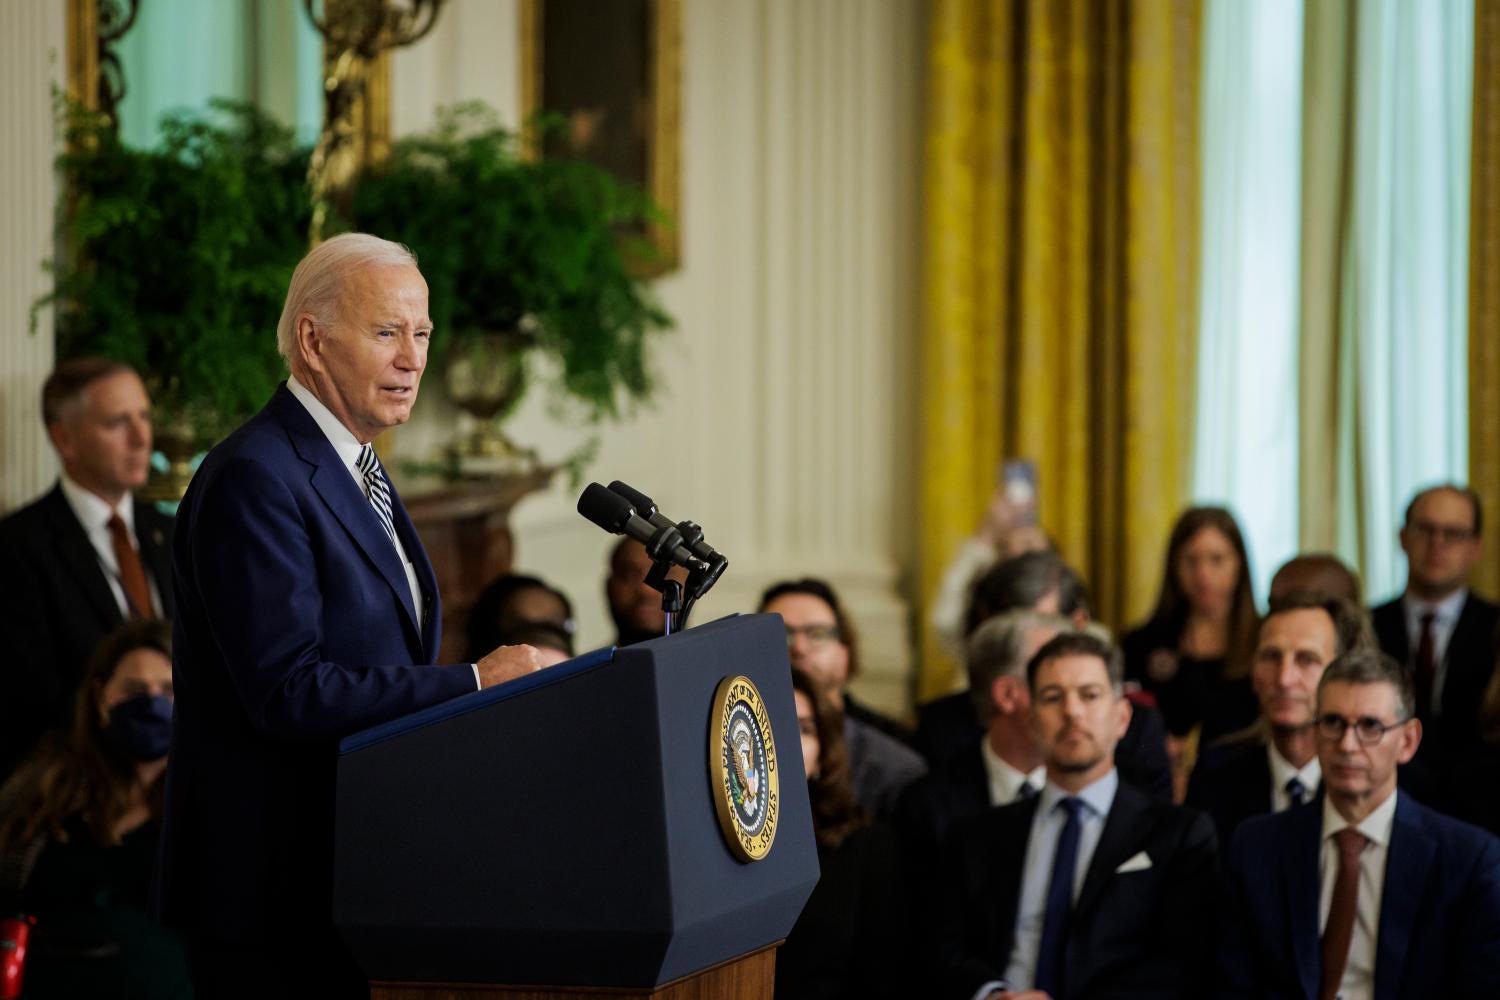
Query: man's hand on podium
[506,663]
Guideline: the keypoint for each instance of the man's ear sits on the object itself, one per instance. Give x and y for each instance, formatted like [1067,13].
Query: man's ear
[1005,694]
[61,438]
[310,341]
[1411,738]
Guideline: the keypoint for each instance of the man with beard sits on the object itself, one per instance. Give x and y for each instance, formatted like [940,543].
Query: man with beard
[1088,888]
[1274,766]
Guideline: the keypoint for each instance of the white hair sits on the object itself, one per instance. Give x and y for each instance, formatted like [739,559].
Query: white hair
[318,281]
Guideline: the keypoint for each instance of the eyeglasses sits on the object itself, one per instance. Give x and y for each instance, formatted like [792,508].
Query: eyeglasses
[818,635]
[1444,533]
[1368,731]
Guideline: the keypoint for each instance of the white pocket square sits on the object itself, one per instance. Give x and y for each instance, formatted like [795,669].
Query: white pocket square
[1139,863]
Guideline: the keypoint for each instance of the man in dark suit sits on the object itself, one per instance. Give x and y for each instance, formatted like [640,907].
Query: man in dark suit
[1005,765]
[1437,627]
[307,610]
[1088,889]
[1363,892]
[86,556]
[1274,766]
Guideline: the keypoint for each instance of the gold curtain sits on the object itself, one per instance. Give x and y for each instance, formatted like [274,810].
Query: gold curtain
[1484,283]
[1060,290]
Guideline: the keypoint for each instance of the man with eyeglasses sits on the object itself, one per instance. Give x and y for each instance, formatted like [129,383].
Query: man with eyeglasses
[820,639]
[1364,892]
[1437,627]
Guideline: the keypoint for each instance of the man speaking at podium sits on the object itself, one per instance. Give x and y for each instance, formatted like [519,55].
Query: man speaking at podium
[306,611]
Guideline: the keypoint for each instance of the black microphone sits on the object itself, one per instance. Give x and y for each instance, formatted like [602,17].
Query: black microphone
[617,516]
[646,507]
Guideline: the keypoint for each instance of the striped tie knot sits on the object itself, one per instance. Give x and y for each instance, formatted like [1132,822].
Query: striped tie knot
[376,490]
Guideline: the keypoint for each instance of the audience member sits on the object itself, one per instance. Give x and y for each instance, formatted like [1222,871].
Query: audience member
[1042,582]
[78,831]
[821,640]
[1089,888]
[1002,767]
[1445,633]
[1192,654]
[634,606]
[1319,573]
[850,940]
[1007,530]
[1363,892]
[1274,765]
[522,610]
[1038,581]
[86,556]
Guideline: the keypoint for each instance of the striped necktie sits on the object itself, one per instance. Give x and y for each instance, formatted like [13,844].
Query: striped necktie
[376,489]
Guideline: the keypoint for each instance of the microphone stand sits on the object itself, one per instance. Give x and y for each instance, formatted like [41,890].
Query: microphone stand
[677,602]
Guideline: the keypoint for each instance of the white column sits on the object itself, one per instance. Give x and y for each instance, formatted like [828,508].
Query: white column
[32,61]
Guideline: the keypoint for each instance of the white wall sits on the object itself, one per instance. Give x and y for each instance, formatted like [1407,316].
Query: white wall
[32,59]
[786,422]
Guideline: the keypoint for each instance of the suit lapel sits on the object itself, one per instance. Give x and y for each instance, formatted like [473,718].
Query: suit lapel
[1408,860]
[1390,627]
[432,612]
[336,485]
[77,554]
[1012,831]
[151,536]
[1124,828]
[1301,886]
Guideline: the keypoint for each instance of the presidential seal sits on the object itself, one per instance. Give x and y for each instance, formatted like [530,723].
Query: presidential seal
[742,764]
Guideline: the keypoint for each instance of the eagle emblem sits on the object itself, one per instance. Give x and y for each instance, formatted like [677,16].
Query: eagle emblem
[742,761]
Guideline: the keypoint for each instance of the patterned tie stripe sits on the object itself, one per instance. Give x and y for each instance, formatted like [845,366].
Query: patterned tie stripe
[375,488]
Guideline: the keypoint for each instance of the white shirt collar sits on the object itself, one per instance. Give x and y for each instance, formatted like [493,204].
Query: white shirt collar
[342,438]
[1098,797]
[91,510]
[1376,827]
[1445,611]
[1282,770]
[1005,781]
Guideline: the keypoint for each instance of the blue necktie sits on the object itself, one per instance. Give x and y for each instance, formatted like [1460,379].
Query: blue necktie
[1049,955]
[1296,791]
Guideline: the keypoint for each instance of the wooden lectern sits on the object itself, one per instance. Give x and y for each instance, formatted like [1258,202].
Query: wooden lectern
[558,836]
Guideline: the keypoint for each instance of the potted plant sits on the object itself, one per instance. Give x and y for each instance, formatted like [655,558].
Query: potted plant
[523,257]
[176,260]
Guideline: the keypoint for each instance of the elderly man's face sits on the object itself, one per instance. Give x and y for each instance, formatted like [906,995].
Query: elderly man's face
[367,367]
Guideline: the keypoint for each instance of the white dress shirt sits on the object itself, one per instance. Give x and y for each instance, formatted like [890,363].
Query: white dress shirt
[348,447]
[1444,618]
[94,514]
[1036,872]
[1005,781]
[1359,972]
[1282,771]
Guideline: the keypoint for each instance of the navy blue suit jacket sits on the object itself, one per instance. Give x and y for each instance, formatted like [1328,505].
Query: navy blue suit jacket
[295,627]
[1439,932]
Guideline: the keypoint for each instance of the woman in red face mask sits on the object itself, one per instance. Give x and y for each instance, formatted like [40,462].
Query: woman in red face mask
[79,822]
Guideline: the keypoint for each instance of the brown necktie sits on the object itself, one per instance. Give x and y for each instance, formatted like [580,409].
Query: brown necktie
[1426,669]
[1339,931]
[132,574]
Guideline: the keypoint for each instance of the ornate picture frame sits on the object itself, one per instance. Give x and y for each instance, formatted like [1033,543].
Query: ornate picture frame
[618,86]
